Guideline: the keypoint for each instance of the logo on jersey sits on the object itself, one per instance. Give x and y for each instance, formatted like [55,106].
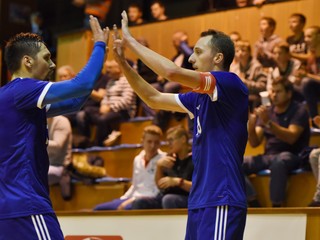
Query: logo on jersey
[199,129]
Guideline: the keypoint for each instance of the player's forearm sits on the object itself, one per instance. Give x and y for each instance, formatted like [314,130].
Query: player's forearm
[163,66]
[145,91]
[83,83]
[67,106]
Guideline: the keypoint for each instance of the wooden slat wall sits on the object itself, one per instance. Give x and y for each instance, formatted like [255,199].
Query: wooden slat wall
[74,48]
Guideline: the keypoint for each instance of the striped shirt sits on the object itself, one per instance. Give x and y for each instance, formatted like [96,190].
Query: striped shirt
[120,96]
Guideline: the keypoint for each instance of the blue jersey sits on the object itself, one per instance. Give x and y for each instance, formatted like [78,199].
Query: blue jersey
[23,157]
[219,141]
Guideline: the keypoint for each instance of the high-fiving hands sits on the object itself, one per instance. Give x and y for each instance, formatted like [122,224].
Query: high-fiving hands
[118,43]
[98,34]
[118,46]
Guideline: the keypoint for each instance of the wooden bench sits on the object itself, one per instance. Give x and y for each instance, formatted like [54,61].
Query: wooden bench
[132,130]
[300,189]
[85,197]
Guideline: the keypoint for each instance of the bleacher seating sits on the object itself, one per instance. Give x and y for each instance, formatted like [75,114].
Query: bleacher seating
[85,197]
[118,163]
[118,159]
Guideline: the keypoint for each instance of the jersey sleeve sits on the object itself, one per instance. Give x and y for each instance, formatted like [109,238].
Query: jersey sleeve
[29,93]
[187,102]
[229,88]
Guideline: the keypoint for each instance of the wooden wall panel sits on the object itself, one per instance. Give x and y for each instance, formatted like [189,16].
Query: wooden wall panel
[245,21]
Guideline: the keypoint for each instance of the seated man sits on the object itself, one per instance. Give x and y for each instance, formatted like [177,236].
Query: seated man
[144,167]
[158,11]
[59,147]
[311,75]
[264,45]
[173,174]
[286,67]
[285,125]
[135,14]
[181,59]
[110,106]
[250,71]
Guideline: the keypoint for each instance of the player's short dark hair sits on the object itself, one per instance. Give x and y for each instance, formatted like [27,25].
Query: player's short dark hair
[20,45]
[223,43]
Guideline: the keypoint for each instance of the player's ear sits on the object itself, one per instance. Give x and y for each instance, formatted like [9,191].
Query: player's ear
[218,58]
[27,61]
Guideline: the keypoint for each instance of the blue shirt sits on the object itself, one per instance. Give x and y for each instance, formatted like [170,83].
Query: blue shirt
[23,157]
[219,141]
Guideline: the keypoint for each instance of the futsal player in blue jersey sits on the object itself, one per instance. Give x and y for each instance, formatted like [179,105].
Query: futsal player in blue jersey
[219,105]
[26,102]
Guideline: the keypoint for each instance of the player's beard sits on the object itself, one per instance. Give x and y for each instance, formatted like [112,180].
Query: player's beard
[49,76]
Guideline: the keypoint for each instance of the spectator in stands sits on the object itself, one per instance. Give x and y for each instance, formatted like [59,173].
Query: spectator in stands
[173,174]
[235,36]
[38,26]
[117,105]
[86,117]
[296,41]
[144,168]
[59,147]
[250,71]
[81,120]
[149,76]
[314,160]
[286,67]
[181,59]
[311,75]
[285,126]
[135,14]
[97,8]
[259,3]
[65,72]
[243,3]
[158,11]
[264,46]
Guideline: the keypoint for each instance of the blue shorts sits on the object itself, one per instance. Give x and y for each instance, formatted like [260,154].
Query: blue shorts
[34,227]
[216,223]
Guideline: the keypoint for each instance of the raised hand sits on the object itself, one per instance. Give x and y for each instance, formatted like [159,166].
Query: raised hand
[124,26]
[98,34]
[118,48]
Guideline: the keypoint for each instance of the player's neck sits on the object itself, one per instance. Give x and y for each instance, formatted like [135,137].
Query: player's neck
[20,74]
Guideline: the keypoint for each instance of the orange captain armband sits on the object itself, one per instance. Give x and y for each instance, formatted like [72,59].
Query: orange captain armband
[207,83]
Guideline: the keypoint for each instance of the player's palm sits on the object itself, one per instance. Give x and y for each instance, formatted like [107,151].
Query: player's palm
[124,26]
[98,34]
